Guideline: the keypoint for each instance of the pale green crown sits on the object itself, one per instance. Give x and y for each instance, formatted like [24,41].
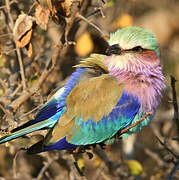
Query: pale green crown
[130,37]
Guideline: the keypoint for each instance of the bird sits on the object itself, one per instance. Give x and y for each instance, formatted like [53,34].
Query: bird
[106,94]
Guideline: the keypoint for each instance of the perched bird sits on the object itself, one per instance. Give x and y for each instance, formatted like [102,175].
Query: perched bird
[106,94]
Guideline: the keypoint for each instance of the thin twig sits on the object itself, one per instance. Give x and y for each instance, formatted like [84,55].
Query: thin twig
[92,24]
[101,12]
[21,68]
[10,3]
[16,90]
[93,13]
[135,124]
[29,112]
[3,84]
[4,35]
[8,114]
[168,149]
[7,52]
[173,171]
[11,25]
[152,154]
[45,167]
[31,8]
[15,164]
[27,94]
[175,103]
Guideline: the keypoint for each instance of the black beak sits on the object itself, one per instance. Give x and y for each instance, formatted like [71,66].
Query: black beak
[114,49]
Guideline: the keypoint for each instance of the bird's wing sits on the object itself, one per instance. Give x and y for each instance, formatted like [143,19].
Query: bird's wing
[52,106]
[47,117]
[96,109]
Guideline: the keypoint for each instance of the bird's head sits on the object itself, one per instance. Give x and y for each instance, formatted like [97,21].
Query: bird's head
[132,48]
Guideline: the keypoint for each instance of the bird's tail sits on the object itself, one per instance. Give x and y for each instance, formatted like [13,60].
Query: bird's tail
[24,129]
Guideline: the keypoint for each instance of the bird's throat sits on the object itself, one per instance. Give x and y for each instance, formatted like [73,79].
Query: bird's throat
[147,85]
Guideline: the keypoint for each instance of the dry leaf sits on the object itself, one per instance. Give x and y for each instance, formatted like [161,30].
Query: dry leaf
[29,50]
[23,24]
[66,5]
[23,30]
[42,16]
[123,21]
[84,44]
[24,40]
[49,3]
[59,9]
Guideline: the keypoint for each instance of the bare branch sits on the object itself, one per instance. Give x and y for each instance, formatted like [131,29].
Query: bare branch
[27,94]
[11,25]
[175,103]
[168,149]
[10,3]
[173,171]
[135,124]
[92,24]
[45,167]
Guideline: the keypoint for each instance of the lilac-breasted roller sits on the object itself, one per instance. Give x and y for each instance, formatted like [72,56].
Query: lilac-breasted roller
[106,94]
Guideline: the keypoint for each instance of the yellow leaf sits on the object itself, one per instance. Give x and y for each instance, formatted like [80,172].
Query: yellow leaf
[32,80]
[2,61]
[97,162]
[1,92]
[110,3]
[81,163]
[135,167]
[123,21]
[84,44]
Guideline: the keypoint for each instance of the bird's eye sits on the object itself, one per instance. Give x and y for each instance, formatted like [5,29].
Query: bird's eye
[114,49]
[137,49]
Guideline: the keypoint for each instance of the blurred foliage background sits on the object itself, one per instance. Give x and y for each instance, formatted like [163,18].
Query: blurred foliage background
[29,41]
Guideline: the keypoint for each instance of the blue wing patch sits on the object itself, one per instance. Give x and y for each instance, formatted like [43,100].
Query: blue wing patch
[119,118]
[60,145]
